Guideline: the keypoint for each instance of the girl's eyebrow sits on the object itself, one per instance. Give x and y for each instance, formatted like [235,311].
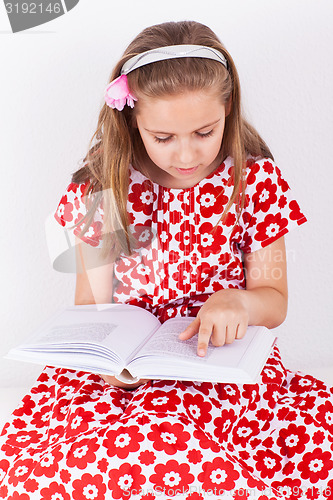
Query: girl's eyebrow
[170,133]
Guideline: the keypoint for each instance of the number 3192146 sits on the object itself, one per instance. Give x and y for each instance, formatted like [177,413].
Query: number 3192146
[33,8]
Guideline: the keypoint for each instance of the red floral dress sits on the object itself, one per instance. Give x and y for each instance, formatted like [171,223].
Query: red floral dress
[76,437]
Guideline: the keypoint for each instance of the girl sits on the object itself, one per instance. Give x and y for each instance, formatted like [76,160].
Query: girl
[179,208]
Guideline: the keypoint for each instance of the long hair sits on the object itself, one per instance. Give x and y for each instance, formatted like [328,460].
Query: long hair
[117,143]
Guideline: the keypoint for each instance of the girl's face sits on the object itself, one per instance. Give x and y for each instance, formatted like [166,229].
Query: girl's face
[182,135]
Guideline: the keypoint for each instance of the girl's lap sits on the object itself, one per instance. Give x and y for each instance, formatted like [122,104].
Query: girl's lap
[194,429]
[61,397]
[78,429]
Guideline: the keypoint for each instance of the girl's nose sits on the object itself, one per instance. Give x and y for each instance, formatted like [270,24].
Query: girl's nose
[185,153]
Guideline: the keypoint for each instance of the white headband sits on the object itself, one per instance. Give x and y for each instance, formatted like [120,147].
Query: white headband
[172,52]
[117,93]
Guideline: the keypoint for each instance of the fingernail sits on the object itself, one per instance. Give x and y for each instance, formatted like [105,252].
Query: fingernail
[201,352]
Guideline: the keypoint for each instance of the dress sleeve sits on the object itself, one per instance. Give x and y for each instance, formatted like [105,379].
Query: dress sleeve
[270,210]
[72,209]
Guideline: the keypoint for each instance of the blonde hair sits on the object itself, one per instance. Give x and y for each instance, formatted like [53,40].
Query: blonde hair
[117,143]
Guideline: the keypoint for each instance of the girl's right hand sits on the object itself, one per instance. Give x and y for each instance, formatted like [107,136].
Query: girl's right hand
[116,383]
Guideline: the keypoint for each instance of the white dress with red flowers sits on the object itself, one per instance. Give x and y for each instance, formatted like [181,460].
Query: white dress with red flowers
[76,437]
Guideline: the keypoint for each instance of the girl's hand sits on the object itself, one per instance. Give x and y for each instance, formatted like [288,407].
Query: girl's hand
[223,318]
[116,383]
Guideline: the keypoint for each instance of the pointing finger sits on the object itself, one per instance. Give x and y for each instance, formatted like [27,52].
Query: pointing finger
[205,332]
[190,330]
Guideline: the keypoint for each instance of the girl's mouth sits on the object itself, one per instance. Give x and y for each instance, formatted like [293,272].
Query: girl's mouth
[187,171]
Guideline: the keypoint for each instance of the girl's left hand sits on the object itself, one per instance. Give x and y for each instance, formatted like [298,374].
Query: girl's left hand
[223,318]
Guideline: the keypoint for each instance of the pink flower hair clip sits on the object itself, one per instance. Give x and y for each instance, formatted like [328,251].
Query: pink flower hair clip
[117,94]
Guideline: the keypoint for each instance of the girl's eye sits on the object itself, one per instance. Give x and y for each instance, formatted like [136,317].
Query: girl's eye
[206,134]
[167,139]
[160,139]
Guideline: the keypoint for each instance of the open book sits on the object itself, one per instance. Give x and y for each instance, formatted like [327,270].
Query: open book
[130,343]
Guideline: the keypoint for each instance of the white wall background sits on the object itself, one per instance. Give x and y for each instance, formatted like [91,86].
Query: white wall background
[51,89]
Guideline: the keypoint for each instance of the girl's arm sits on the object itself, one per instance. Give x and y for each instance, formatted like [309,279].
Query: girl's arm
[227,313]
[94,275]
[94,280]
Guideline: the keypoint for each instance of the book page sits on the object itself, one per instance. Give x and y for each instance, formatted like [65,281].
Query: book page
[81,332]
[165,342]
[121,328]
